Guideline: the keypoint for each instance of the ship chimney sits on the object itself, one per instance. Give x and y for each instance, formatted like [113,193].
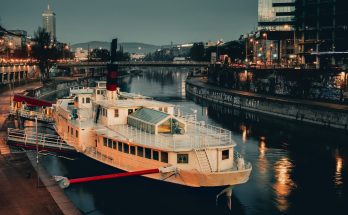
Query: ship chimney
[111,78]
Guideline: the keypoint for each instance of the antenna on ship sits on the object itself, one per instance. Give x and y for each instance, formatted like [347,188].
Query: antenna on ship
[111,78]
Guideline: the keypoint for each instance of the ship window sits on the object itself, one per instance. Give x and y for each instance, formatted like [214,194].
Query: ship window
[77,133]
[155,155]
[83,99]
[130,111]
[105,141]
[88,100]
[132,150]
[68,129]
[109,143]
[116,113]
[160,109]
[98,92]
[72,131]
[164,157]
[140,151]
[225,154]
[182,158]
[147,153]
[166,109]
[126,148]
[114,144]
[119,145]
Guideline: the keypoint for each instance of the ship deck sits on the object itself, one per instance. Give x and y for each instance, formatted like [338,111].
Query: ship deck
[196,137]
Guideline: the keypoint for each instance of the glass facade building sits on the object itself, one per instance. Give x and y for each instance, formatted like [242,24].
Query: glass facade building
[276,14]
[49,23]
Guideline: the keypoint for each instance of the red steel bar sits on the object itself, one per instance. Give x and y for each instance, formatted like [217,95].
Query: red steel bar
[110,176]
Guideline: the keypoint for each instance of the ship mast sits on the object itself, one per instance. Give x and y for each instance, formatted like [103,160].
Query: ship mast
[111,78]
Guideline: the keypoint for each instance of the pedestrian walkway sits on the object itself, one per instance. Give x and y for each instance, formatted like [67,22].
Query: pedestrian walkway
[19,193]
[326,105]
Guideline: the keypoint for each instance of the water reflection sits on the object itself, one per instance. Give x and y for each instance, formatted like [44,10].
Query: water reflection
[284,184]
[262,163]
[244,133]
[338,174]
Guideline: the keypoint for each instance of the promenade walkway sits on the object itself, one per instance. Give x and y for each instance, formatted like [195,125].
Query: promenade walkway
[19,193]
[201,82]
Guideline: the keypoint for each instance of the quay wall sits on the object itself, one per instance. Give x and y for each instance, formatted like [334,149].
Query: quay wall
[330,115]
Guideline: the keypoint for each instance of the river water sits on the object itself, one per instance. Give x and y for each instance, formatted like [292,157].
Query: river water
[297,168]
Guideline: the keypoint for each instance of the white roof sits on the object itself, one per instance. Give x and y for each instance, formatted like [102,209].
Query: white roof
[132,103]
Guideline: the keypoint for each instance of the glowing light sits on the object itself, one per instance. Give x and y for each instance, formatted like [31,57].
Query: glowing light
[244,133]
[284,184]
[338,173]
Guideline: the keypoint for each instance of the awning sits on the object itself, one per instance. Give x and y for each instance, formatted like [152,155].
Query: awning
[32,101]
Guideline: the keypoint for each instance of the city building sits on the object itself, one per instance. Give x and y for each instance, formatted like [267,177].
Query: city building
[13,43]
[81,54]
[49,23]
[273,41]
[322,30]
[276,15]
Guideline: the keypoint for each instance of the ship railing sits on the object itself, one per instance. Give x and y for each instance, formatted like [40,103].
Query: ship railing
[221,136]
[30,137]
[239,162]
[202,137]
[31,115]
[80,89]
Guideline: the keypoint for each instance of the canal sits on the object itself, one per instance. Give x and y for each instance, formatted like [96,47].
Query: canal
[297,168]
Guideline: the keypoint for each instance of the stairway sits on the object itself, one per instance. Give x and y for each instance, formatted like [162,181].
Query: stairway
[203,160]
[4,149]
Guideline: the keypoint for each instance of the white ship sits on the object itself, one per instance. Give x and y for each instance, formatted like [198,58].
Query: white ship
[133,132]
[136,133]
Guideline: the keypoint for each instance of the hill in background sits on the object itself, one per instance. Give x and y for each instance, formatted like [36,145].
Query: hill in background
[127,46]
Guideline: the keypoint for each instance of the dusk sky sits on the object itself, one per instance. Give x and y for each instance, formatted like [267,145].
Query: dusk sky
[150,21]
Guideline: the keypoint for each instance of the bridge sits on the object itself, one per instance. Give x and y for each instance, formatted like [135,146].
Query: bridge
[137,63]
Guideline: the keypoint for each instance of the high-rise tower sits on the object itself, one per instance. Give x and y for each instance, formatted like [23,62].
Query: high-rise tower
[49,22]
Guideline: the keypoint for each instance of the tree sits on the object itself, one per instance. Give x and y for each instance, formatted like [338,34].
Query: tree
[100,54]
[197,52]
[41,50]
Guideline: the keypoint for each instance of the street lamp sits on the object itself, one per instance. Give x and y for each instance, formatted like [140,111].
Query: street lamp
[9,49]
[217,46]
[37,154]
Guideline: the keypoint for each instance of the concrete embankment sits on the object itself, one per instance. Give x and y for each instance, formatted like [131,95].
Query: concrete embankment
[321,113]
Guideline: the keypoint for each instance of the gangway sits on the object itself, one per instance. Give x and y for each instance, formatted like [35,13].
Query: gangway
[28,139]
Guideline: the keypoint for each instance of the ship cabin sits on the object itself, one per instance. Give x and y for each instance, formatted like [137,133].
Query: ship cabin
[138,132]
